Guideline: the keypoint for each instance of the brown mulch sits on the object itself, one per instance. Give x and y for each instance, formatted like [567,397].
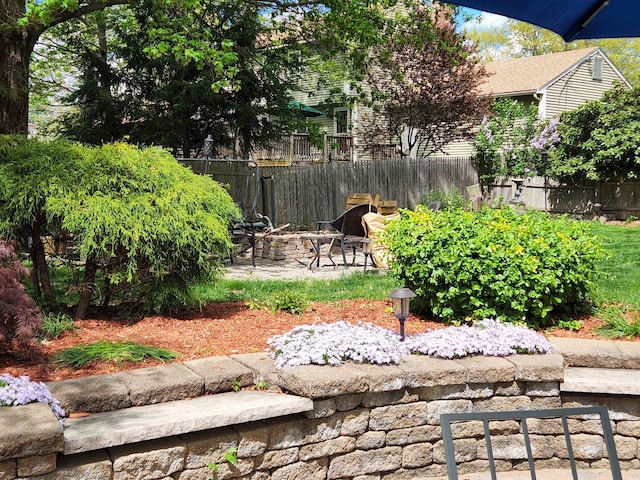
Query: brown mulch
[217,329]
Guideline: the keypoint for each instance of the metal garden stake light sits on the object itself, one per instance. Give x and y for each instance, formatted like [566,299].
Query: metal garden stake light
[401,298]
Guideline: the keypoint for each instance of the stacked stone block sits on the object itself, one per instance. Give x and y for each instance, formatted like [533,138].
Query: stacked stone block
[367,423]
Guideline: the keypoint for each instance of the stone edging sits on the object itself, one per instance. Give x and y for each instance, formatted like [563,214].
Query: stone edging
[178,381]
[414,393]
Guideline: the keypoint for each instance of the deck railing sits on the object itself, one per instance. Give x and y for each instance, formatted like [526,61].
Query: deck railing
[298,148]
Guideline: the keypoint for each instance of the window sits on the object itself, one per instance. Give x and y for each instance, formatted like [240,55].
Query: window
[340,120]
[596,68]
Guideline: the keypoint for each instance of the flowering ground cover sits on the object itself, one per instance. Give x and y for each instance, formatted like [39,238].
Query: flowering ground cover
[21,391]
[334,343]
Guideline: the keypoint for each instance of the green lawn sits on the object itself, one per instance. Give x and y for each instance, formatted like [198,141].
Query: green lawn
[356,285]
[620,279]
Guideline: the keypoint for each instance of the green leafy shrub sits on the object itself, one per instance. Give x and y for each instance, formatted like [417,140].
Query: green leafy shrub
[287,301]
[283,301]
[495,263]
[599,140]
[570,324]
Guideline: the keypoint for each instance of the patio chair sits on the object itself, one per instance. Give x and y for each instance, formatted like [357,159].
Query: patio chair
[349,224]
[521,416]
[244,231]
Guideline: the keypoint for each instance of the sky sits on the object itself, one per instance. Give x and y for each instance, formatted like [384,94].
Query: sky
[487,20]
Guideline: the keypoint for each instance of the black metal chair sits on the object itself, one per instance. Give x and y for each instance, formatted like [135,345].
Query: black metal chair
[243,234]
[521,416]
[349,224]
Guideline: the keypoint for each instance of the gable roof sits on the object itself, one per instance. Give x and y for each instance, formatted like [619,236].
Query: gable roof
[527,75]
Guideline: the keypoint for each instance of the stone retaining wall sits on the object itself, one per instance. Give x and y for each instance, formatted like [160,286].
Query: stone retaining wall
[367,423]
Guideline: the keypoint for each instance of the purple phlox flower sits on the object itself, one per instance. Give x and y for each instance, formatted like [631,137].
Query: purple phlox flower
[486,337]
[334,343]
[22,391]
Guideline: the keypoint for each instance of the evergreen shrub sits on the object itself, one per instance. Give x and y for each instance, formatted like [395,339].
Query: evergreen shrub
[495,263]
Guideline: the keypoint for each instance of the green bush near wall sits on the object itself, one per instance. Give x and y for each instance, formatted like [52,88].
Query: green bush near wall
[495,263]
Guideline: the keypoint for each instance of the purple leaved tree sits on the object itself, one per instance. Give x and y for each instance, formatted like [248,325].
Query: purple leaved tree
[19,315]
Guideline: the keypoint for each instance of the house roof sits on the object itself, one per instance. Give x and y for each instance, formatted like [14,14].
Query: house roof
[528,75]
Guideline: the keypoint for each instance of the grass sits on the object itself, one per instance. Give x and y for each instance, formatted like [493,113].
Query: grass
[356,285]
[621,270]
[104,350]
[619,322]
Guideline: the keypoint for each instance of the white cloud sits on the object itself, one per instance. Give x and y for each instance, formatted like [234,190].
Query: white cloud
[483,20]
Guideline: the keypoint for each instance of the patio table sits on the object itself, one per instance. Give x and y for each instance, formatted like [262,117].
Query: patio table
[317,240]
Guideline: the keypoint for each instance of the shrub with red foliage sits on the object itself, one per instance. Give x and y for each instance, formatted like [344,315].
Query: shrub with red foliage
[19,315]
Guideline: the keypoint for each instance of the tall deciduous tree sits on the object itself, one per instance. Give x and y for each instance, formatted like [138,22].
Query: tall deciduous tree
[513,39]
[424,85]
[131,90]
[333,23]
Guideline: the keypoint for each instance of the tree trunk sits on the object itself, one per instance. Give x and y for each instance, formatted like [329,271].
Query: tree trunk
[87,287]
[39,260]
[35,280]
[16,45]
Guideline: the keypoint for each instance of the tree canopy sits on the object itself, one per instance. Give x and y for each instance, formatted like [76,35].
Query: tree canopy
[514,39]
[424,85]
[202,39]
[600,140]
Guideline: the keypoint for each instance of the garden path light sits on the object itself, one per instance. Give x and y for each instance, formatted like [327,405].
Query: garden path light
[401,299]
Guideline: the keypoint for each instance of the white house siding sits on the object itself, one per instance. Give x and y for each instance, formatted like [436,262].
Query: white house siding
[458,148]
[309,92]
[577,87]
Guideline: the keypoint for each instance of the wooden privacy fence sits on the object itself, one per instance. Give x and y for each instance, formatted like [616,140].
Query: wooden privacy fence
[615,199]
[302,195]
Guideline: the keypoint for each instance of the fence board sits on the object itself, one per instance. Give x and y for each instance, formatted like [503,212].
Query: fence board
[302,195]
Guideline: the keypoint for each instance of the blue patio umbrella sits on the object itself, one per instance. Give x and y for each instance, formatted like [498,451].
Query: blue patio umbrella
[571,19]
